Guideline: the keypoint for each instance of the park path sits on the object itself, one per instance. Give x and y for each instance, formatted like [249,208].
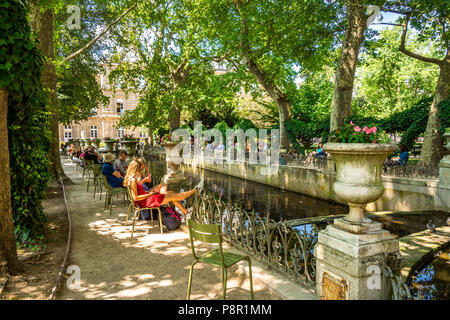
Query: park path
[150,266]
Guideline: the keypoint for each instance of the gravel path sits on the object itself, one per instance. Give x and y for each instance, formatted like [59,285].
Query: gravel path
[150,266]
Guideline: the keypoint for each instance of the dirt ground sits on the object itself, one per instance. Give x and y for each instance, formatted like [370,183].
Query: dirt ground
[41,269]
[148,266]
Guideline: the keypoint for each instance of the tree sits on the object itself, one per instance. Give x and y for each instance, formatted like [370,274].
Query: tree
[161,56]
[43,23]
[271,38]
[23,133]
[431,18]
[389,81]
[345,74]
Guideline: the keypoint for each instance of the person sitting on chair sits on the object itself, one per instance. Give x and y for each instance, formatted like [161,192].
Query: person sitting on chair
[121,163]
[152,199]
[113,176]
[318,154]
[401,160]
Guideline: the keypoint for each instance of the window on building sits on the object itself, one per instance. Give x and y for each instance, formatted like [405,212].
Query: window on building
[119,107]
[142,133]
[67,132]
[94,132]
[120,132]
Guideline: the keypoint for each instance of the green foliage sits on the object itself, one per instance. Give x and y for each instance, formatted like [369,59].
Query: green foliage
[245,124]
[387,80]
[352,133]
[301,134]
[21,64]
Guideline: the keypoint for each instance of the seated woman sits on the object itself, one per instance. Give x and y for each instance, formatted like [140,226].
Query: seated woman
[318,154]
[112,175]
[146,178]
[154,198]
[401,160]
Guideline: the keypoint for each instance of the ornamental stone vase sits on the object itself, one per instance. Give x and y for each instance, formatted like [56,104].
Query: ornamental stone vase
[130,147]
[88,142]
[352,253]
[173,178]
[358,174]
[109,145]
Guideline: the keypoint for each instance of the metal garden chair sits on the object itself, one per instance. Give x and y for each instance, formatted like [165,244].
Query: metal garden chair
[110,192]
[136,209]
[212,233]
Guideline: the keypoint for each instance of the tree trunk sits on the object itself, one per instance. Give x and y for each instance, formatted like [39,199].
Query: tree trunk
[280,99]
[7,240]
[433,143]
[345,73]
[42,24]
[282,102]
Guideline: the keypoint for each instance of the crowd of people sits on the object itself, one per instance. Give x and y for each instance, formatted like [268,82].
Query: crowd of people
[135,174]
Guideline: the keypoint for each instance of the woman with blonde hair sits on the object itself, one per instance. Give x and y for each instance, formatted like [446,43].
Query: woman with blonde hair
[153,198]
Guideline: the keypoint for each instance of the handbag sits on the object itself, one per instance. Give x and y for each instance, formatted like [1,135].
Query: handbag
[170,218]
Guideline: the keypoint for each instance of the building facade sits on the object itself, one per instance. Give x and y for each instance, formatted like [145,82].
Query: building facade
[104,123]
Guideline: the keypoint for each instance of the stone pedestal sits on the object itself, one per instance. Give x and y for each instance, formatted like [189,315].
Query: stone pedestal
[350,259]
[443,191]
[174,177]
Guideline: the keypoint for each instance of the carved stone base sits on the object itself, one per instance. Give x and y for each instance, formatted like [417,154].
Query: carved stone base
[350,259]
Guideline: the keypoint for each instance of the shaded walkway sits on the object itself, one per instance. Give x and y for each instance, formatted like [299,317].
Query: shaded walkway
[149,266]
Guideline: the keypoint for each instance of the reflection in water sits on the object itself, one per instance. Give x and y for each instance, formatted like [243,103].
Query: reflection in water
[280,204]
[433,281]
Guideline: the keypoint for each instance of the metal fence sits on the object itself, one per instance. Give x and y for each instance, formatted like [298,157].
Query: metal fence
[286,248]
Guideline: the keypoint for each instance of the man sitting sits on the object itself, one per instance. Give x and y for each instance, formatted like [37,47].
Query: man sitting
[112,175]
[121,163]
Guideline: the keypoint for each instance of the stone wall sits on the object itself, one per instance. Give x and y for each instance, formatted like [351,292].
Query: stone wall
[401,194]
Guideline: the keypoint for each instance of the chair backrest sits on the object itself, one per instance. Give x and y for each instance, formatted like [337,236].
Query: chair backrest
[210,233]
[130,196]
[105,181]
[95,169]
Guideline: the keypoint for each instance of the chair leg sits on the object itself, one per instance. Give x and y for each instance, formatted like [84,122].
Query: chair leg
[128,214]
[250,277]
[134,221]
[190,280]
[224,281]
[160,221]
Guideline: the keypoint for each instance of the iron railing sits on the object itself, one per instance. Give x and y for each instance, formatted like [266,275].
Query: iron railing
[286,248]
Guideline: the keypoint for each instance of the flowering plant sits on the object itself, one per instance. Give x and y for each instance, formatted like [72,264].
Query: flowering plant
[352,133]
[96,140]
[108,138]
[129,137]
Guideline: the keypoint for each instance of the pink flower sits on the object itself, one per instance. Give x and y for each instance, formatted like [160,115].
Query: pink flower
[374,129]
[351,122]
[374,141]
[357,129]
[365,129]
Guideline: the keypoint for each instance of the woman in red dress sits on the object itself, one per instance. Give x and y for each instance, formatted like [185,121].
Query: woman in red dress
[151,199]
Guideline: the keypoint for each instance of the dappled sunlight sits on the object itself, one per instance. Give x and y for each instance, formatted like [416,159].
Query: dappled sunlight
[150,265]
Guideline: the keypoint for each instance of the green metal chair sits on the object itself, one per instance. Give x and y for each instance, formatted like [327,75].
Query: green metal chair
[89,174]
[110,192]
[97,179]
[211,233]
[136,209]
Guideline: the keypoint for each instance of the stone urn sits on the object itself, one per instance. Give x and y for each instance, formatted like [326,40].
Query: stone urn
[130,147]
[174,177]
[88,142]
[358,174]
[110,144]
[96,143]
